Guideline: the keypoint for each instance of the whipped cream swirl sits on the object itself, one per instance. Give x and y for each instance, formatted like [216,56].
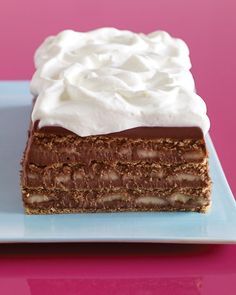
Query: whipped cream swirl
[108,80]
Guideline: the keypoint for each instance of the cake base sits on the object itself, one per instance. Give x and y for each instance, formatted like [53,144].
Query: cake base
[38,211]
[181,199]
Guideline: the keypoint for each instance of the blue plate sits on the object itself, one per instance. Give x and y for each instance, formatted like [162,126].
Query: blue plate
[217,226]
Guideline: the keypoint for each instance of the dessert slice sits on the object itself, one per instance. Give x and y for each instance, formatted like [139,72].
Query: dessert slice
[135,170]
[116,126]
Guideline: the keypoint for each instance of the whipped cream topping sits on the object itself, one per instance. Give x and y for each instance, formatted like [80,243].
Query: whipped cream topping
[108,80]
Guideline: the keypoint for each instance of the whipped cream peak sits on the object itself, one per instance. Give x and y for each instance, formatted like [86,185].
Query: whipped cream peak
[108,80]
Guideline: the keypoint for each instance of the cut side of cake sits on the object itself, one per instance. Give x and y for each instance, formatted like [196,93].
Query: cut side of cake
[116,126]
[134,170]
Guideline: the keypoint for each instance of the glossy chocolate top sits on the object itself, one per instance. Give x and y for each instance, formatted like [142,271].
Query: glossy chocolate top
[139,132]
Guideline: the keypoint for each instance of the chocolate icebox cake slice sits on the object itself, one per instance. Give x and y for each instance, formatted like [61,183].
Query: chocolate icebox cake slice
[67,173]
[116,126]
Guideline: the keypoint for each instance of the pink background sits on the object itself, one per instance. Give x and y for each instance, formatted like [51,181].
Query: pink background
[209,28]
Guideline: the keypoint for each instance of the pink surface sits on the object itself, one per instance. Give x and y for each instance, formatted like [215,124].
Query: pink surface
[208,26]
[117,269]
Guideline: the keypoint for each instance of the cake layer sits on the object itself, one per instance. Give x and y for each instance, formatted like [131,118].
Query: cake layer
[182,199]
[131,176]
[47,148]
[138,132]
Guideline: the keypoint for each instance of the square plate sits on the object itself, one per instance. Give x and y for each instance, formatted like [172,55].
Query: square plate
[217,226]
